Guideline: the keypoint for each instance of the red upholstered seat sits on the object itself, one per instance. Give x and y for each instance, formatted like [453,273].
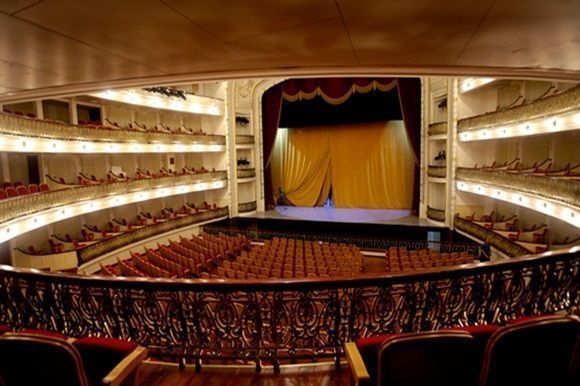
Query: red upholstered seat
[369,351]
[51,334]
[442,358]
[481,334]
[527,318]
[533,352]
[31,359]
[4,329]
[101,355]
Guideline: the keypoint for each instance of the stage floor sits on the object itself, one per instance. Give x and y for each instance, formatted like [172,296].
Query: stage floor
[367,216]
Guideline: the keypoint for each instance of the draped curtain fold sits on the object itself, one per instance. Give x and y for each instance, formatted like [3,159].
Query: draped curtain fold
[336,91]
[372,169]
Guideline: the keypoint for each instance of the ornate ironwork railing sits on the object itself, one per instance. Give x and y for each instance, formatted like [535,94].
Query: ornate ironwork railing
[437,171]
[567,191]
[23,205]
[22,126]
[277,320]
[436,214]
[95,250]
[246,173]
[505,245]
[362,242]
[437,128]
[244,139]
[247,206]
[557,104]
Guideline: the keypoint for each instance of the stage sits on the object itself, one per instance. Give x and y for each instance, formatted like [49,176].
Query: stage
[342,215]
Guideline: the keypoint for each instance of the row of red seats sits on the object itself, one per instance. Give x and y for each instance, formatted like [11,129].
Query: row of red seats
[22,190]
[531,351]
[40,357]
[402,260]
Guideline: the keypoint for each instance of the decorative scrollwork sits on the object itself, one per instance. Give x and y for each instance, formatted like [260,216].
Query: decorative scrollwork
[285,320]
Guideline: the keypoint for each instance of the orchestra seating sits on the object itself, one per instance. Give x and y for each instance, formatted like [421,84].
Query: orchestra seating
[401,260]
[539,350]
[37,357]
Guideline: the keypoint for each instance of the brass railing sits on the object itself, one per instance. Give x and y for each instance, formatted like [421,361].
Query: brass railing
[505,245]
[438,128]
[246,173]
[23,205]
[437,171]
[95,250]
[559,189]
[436,214]
[561,103]
[247,206]
[22,126]
[285,320]
[244,139]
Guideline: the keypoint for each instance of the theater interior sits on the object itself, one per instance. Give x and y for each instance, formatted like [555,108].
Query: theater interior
[306,192]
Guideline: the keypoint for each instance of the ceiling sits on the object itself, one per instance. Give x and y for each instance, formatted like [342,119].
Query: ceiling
[54,47]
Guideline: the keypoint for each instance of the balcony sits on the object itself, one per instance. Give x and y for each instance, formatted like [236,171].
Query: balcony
[556,113]
[95,250]
[437,171]
[436,214]
[566,191]
[439,129]
[246,173]
[22,214]
[247,207]
[505,245]
[22,134]
[244,140]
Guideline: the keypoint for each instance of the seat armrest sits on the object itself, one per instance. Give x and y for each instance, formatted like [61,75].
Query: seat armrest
[356,364]
[129,364]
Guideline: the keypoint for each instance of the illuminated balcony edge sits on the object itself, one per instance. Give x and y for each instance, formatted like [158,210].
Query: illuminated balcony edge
[193,104]
[544,125]
[470,84]
[24,224]
[554,188]
[23,205]
[25,144]
[551,208]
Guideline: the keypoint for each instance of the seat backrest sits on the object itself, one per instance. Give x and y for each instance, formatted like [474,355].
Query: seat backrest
[442,358]
[537,351]
[30,359]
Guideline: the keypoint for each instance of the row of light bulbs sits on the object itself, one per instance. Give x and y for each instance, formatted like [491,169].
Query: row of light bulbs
[558,123]
[551,208]
[11,143]
[21,225]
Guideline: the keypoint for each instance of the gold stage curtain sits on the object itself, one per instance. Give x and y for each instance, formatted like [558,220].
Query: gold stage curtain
[301,166]
[368,165]
[372,166]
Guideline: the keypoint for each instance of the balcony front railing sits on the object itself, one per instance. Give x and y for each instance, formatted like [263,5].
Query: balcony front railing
[559,189]
[507,246]
[439,128]
[437,171]
[246,173]
[24,205]
[199,320]
[37,128]
[565,102]
[95,250]
[436,214]
[247,207]
[244,139]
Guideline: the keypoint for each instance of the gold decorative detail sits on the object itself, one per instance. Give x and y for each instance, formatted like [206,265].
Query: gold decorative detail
[247,206]
[557,104]
[436,214]
[437,171]
[437,128]
[505,245]
[246,173]
[244,139]
[559,189]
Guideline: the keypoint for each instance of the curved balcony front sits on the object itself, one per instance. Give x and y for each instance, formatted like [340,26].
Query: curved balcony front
[439,128]
[22,214]
[436,214]
[282,316]
[246,207]
[22,134]
[437,171]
